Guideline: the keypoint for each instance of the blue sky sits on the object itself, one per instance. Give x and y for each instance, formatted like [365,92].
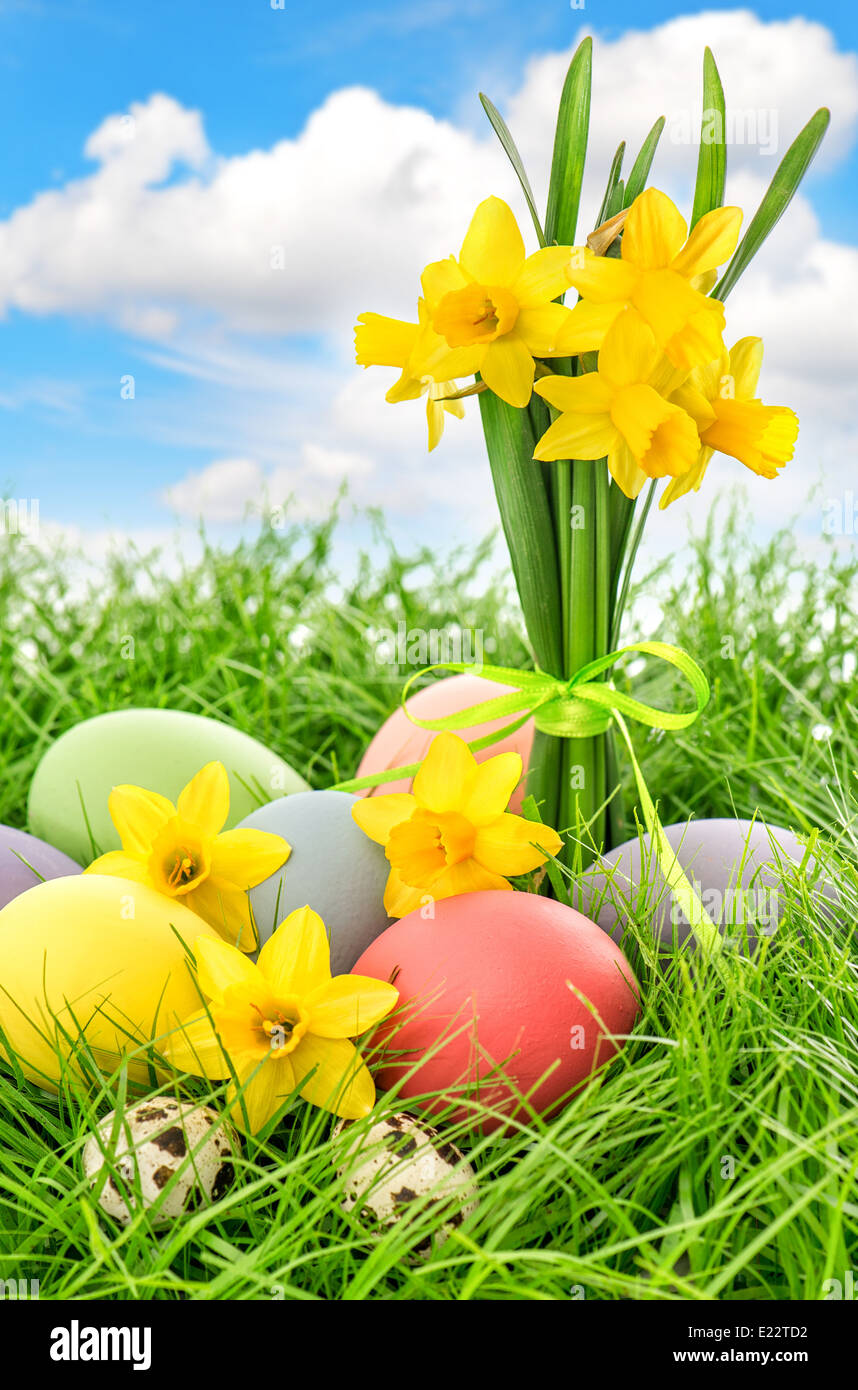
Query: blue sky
[220,377]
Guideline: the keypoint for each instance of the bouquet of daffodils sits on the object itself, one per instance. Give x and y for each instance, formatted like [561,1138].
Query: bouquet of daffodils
[586,408]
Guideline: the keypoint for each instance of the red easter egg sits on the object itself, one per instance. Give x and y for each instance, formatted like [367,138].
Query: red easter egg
[399,742]
[510,979]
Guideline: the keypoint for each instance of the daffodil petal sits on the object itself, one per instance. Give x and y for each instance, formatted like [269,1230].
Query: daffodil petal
[205,800]
[331,1074]
[601,279]
[695,404]
[383,342]
[668,303]
[586,326]
[434,422]
[625,469]
[589,394]
[405,388]
[440,278]
[506,846]
[468,876]
[195,1048]
[574,436]
[246,857]
[686,482]
[225,907]
[264,1092]
[543,277]
[712,242]
[654,231]
[444,779]
[540,328]
[507,369]
[699,341]
[120,865]
[296,959]
[138,816]
[746,360]
[630,352]
[433,357]
[493,785]
[493,249]
[221,967]
[401,898]
[349,1004]
[377,815]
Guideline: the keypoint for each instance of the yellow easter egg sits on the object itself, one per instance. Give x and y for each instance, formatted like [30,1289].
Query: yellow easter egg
[95,956]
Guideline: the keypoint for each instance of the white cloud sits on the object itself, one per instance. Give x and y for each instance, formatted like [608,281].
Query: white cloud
[780,72]
[221,492]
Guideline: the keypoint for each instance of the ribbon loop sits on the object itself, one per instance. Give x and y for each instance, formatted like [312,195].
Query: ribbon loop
[579,707]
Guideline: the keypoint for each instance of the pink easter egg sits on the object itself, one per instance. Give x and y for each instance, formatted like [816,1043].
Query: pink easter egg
[510,979]
[399,742]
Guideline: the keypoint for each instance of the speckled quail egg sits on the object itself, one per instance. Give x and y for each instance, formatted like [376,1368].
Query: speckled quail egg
[397,1163]
[151,1142]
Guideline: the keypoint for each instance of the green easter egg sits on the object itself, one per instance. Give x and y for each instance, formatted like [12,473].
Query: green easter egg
[159,749]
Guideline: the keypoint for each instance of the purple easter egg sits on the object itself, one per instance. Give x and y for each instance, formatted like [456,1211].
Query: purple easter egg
[25,861]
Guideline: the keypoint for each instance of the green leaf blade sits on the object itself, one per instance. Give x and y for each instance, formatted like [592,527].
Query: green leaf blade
[502,131]
[636,182]
[712,158]
[570,149]
[776,200]
[527,523]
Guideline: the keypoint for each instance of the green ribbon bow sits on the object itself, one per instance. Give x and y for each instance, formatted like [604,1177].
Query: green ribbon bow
[579,707]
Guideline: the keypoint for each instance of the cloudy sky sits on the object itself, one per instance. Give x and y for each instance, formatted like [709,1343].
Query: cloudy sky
[198,198]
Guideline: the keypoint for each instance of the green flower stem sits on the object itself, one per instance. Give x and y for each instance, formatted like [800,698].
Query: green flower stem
[582,789]
[527,517]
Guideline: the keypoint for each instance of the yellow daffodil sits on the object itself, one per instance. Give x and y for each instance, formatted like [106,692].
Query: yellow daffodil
[179,851]
[385,342]
[660,272]
[620,410]
[284,1024]
[490,311]
[452,833]
[734,422]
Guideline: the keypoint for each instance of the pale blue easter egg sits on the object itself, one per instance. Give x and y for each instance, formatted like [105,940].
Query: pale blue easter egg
[334,868]
[159,749]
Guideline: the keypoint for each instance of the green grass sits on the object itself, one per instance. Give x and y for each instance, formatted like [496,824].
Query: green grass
[716,1158]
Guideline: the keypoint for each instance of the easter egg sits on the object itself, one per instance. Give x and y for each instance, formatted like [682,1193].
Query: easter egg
[98,955]
[159,749]
[26,861]
[499,979]
[399,742]
[399,1167]
[731,863]
[147,1146]
[334,868]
